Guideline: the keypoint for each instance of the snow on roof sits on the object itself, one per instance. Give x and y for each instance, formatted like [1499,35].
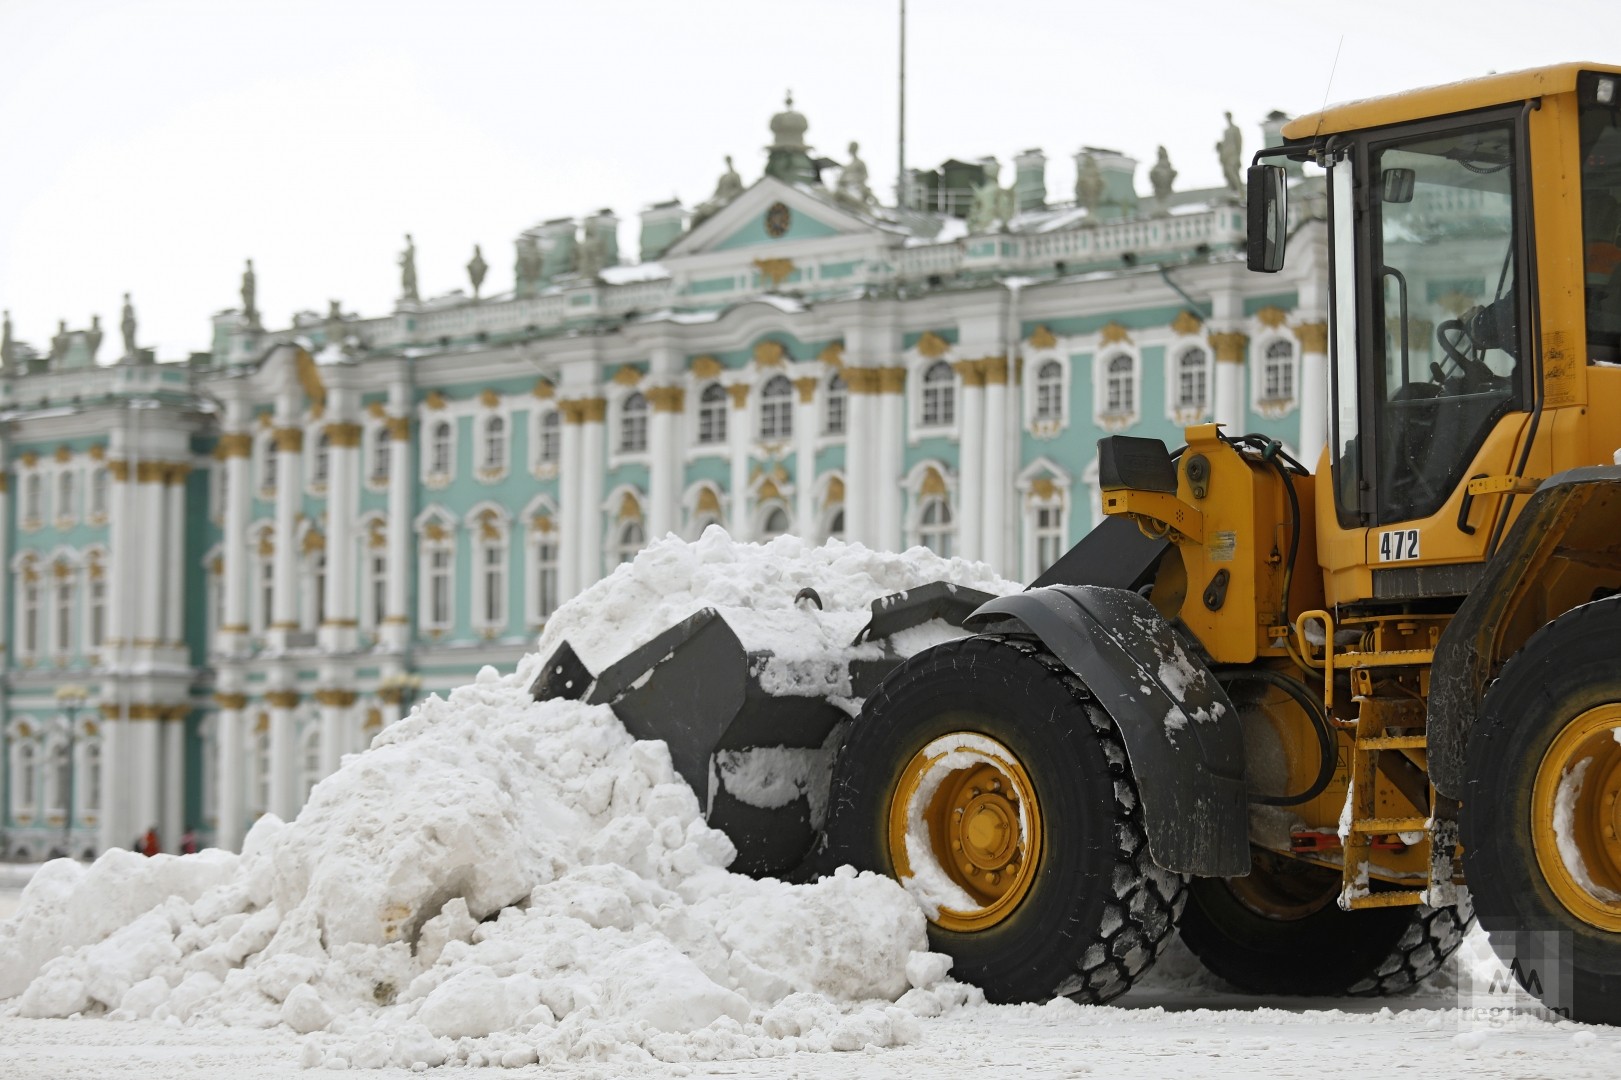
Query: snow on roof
[625,275]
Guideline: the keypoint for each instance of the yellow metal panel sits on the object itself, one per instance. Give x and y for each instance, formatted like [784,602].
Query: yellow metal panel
[1441,100]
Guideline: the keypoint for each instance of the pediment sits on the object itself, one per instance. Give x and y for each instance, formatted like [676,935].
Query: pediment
[770,214]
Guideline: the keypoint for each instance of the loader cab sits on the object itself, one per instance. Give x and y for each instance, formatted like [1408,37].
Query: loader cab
[1457,321]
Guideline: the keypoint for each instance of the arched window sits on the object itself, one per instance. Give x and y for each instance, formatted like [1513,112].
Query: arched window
[1278,372]
[439,449]
[551,437]
[631,538]
[380,452]
[1119,389]
[545,574]
[98,491]
[1192,379]
[633,424]
[321,464]
[934,526]
[838,400]
[495,443]
[493,559]
[712,415]
[776,522]
[1050,391]
[939,395]
[777,409]
[64,494]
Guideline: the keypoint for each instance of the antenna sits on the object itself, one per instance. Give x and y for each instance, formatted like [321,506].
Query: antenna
[1331,69]
[900,166]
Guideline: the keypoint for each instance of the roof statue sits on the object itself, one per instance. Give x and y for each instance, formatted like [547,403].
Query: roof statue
[788,157]
[1089,185]
[727,188]
[127,325]
[592,254]
[527,270]
[476,269]
[992,205]
[59,341]
[334,322]
[1231,151]
[250,292]
[6,349]
[1161,176]
[408,271]
[93,336]
[853,190]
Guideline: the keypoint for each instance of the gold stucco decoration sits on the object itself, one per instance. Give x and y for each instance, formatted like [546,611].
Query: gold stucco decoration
[1186,323]
[861,380]
[832,354]
[374,718]
[490,398]
[1271,316]
[995,370]
[892,380]
[29,459]
[1042,338]
[544,389]
[708,501]
[377,410]
[807,389]
[1230,346]
[488,529]
[98,452]
[282,699]
[769,490]
[1313,337]
[340,699]
[541,523]
[64,454]
[627,376]
[630,508]
[739,393]
[835,492]
[434,400]
[288,439]
[236,445]
[314,540]
[769,353]
[971,372]
[933,482]
[706,366]
[1042,487]
[666,399]
[231,700]
[267,544]
[435,531]
[775,271]
[343,435]
[932,345]
[1114,333]
[309,377]
[399,428]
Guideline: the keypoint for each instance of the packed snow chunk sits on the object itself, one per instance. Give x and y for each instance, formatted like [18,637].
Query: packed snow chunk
[477,1001]
[925,969]
[655,984]
[304,1011]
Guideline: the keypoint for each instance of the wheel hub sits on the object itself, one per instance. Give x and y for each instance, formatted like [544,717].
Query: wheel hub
[965,804]
[1576,817]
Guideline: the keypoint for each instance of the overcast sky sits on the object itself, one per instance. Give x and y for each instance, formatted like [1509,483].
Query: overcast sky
[152,145]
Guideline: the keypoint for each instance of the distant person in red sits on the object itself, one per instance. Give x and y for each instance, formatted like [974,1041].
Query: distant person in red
[149,843]
[188,841]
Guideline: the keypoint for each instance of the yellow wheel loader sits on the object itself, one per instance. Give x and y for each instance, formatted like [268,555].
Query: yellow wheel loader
[1312,721]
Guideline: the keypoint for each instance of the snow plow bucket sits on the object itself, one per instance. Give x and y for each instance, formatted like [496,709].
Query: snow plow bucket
[753,734]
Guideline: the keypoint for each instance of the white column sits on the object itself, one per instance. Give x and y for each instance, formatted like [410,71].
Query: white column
[149,556]
[805,458]
[664,471]
[174,573]
[396,629]
[1230,348]
[289,490]
[237,449]
[340,631]
[996,476]
[5,551]
[891,445]
[230,812]
[862,387]
[143,761]
[114,828]
[971,472]
[1313,338]
[739,436]
[172,798]
[592,436]
[570,508]
[335,706]
[283,754]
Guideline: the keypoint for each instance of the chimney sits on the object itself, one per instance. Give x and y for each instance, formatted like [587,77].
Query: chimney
[662,224]
[1119,181]
[1030,180]
[557,247]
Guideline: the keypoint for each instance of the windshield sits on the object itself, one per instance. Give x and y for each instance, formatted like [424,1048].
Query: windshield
[1444,336]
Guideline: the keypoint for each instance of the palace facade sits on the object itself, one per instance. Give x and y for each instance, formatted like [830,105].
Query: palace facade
[228,573]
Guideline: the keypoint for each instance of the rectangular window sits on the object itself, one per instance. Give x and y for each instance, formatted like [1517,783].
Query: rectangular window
[64,618]
[439,588]
[379,588]
[1049,537]
[98,611]
[545,579]
[495,585]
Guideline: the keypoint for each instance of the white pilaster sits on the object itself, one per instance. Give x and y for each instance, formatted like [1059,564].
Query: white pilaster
[1313,390]
[335,709]
[237,448]
[174,570]
[150,488]
[805,523]
[289,490]
[144,761]
[664,468]
[997,478]
[340,631]
[971,470]
[283,754]
[172,797]
[396,629]
[570,508]
[592,442]
[739,436]
[891,445]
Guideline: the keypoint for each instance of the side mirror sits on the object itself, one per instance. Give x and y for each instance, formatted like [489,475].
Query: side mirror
[1268,224]
[1396,185]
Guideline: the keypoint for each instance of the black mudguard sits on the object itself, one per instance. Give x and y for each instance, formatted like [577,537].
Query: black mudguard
[1183,737]
[1465,661]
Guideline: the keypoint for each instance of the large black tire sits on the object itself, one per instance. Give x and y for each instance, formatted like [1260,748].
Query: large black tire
[1281,931]
[1094,912]
[1564,678]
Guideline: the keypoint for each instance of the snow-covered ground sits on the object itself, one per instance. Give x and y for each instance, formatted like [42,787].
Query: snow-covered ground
[501,882]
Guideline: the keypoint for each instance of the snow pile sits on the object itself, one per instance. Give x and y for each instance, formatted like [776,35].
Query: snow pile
[500,881]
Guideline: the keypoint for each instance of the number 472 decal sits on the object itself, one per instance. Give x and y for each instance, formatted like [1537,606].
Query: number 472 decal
[1398,545]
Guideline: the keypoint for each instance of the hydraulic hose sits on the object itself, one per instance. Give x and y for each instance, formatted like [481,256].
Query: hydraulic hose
[1319,720]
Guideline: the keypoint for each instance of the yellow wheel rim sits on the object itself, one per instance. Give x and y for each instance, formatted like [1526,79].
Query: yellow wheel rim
[965,831]
[1284,889]
[1576,817]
